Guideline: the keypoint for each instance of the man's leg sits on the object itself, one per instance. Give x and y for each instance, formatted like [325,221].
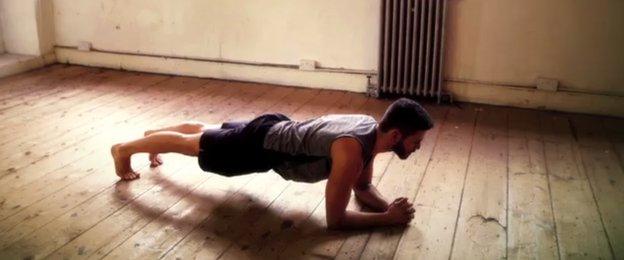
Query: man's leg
[190,127]
[154,143]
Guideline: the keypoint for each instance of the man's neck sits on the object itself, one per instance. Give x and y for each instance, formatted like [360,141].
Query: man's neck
[380,140]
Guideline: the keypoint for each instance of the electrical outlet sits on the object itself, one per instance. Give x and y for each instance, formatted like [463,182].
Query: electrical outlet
[307,65]
[547,84]
[84,46]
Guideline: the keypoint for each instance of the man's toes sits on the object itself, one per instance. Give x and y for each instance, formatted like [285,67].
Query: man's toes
[130,176]
[155,163]
[155,160]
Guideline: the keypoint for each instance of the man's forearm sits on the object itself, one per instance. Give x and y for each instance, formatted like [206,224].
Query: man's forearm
[370,197]
[356,219]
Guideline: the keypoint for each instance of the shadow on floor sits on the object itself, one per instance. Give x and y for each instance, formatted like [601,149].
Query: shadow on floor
[221,222]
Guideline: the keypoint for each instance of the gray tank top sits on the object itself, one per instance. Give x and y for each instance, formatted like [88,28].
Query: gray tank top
[308,144]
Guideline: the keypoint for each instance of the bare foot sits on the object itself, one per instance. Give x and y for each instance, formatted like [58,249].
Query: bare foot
[122,164]
[155,160]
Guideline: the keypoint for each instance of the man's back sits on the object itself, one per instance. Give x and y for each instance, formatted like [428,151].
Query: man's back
[307,144]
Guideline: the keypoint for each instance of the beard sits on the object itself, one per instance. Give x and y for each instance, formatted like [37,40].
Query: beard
[399,150]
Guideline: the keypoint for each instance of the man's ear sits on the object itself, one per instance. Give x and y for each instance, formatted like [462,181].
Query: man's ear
[395,134]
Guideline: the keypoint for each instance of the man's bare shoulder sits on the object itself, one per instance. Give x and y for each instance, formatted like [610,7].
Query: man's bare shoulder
[347,148]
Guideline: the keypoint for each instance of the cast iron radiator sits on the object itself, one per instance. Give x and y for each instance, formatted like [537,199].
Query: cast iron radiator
[411,48]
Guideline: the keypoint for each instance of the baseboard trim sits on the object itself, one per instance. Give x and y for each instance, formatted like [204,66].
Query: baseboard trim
[563,101]
[220,70]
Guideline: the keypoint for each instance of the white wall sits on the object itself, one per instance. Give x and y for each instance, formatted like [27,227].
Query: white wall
[27,26]
[503,42]
[580,43]
[19,26]
[337,34]
[45,26]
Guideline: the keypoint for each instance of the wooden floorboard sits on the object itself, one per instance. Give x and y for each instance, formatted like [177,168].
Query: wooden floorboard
[580,233]
[602,168]
[42,91]
[59,152]
[531,227]
[482,223]
[98,211]
[14,87]
[439,197]
[35,219]
[488,182]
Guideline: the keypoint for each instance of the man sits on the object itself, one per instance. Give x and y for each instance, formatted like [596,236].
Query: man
[339,148]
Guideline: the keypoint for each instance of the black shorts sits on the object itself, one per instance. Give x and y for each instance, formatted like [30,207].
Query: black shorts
[237,148]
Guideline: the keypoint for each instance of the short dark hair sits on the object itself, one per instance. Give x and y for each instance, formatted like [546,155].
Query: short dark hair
[407,116]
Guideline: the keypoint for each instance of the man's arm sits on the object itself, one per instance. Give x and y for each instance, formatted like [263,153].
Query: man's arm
[366,193]
[345,171]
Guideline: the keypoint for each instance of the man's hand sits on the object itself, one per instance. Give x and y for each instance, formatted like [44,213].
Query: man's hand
[400,211]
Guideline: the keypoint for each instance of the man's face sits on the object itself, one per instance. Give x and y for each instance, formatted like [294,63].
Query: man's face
[405,146]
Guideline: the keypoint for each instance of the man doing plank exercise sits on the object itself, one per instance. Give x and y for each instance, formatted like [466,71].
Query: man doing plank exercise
[339,148]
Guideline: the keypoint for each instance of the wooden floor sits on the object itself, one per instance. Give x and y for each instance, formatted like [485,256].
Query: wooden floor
[488,183]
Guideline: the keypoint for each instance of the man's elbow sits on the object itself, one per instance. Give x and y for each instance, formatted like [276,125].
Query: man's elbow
[335,222]
[361,187]
[360,191]
[336,227]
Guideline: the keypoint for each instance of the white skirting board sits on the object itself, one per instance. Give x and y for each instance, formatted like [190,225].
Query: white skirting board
[219,70]
[596,104]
